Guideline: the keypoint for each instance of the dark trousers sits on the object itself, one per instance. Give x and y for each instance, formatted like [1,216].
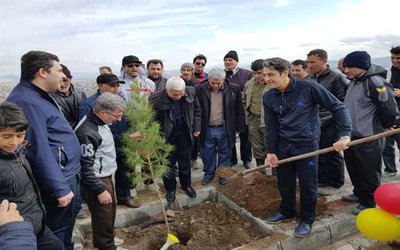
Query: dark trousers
[195,149]
[180,138]
[306,171]
[61,220]
[389,157]
[123,184]
[215,146]
[364,163]
[245,149]
[48,241]
[330,165]
[103,217]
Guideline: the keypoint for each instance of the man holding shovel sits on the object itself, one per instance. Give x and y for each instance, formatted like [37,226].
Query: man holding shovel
[293,128]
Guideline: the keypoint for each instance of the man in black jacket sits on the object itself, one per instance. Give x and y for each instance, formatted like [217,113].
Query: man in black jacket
[178,112]
[330,165]
[222,118]
[69,98]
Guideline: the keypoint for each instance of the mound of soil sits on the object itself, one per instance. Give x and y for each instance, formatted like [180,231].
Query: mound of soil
[209,225]
[259,194]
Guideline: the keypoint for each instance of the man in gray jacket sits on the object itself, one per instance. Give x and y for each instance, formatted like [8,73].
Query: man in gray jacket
[372,109]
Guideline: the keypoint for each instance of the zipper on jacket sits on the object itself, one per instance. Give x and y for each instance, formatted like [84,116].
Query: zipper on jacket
[14,181]
[101,165]
[60,151]
[282,105]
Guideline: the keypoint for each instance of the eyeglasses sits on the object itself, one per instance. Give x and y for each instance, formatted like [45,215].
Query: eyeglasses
[199,63]
[136,65]
[119,116]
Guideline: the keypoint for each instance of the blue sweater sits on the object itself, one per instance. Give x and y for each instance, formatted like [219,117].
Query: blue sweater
[55,152]
[293,115]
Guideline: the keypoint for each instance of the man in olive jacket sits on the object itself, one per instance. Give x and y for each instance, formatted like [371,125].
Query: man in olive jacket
[222,117]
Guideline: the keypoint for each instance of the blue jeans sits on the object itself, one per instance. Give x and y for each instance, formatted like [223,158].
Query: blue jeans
[307,172]
[61,220]
[215,144]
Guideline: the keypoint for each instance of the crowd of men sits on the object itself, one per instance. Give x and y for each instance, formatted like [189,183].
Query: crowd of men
[277,109]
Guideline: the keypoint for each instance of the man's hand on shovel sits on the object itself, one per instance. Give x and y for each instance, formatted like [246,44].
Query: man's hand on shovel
[342,144]
[272,160]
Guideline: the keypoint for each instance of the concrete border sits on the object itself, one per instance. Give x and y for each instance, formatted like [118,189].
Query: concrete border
[326,231]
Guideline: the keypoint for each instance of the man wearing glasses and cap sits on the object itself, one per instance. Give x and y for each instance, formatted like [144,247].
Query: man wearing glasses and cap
[131,67]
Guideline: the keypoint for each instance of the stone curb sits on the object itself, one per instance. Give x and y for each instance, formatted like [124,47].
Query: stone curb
[325,231]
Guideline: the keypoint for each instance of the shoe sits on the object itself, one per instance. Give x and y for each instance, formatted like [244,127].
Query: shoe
[247,165]
[205,181]
[170,196]
[223,181]
[389,174]
[118,241]
[328,191]
[190,192]
[350,198]
[322,184]
[277,218]
[358,209]
[130,203]
[303,230]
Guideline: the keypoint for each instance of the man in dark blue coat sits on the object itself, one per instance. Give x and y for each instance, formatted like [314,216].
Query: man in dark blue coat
[55,152]
[293,128]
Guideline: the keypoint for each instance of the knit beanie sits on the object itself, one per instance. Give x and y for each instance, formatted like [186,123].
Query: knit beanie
[357,59]
[187,65]
[232,54]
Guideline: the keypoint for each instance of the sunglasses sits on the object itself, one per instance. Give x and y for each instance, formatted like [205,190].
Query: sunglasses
[137,65]
[202,64]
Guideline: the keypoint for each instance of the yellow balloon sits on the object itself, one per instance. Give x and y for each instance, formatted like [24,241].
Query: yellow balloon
[378,224]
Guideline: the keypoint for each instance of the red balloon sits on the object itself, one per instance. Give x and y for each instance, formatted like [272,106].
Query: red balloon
[387,196]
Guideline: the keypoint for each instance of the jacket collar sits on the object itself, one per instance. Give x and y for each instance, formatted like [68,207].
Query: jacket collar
[94,118]
[291,88]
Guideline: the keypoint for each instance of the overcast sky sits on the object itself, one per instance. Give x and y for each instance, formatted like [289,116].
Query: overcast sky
[86,34]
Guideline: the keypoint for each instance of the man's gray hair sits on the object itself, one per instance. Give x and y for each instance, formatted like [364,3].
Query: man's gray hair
[217,73]
[109,102]
[175,83]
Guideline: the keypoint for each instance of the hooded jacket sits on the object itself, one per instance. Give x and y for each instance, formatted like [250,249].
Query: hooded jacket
[18,185]
[371,103]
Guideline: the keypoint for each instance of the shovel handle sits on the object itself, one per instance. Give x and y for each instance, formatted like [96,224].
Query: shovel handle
[326,150]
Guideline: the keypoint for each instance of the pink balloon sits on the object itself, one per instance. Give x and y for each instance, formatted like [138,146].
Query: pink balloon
[387,196]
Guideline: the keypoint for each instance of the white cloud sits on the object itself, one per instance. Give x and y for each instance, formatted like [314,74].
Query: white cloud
[89,34]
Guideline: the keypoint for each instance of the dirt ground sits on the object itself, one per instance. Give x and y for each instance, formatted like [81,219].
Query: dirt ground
[209,225]
[259,194]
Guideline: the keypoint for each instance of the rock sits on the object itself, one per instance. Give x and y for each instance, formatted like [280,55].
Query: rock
[170,214]
[192,221]
[247,225]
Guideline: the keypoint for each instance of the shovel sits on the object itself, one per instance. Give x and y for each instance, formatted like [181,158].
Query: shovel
[227,172]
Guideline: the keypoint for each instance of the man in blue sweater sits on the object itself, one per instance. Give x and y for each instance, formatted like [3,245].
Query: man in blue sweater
[293,128]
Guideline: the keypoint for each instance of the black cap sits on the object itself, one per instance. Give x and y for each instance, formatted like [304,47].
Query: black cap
[66,71]
[130,59]
[108,79]
[357,59]
[232,54]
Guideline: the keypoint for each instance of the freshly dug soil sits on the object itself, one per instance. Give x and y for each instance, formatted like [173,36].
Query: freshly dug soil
[209,225]
[259,194]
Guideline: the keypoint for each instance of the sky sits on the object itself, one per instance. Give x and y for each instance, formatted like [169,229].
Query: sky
[87,34]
